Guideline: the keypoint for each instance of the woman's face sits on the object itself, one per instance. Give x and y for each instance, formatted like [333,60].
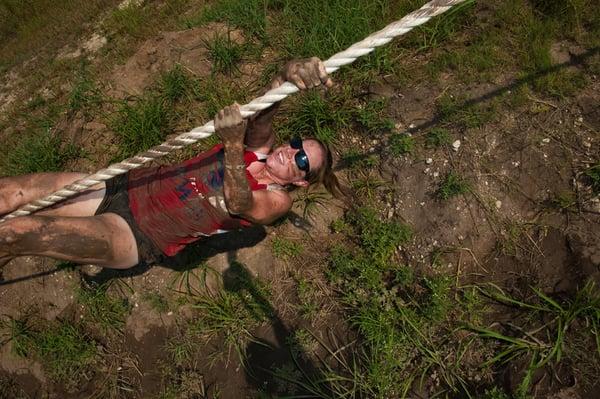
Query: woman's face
[281,163]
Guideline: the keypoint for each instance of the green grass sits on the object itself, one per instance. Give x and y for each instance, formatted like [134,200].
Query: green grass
[157,301]
[64,350]
[229,315]
[217,92]
[316,28]
[176,84]
[102,309]
[308,304]
[248,15]
[84,94]
[142,124]
[441,29]
[593,176]
[357,160]
[314,115]
[370,117]
[368,186]
[311,200]
[438,137]
[457,110]
[452,186]
[546,343]
[225,54]
[30,27]
[406,320]
[284,248]
[40,150]
[401,144]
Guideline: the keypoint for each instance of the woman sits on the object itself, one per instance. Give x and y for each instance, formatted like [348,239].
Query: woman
[153,212]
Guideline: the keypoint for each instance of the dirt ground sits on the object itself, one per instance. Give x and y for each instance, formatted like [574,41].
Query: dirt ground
[518,166]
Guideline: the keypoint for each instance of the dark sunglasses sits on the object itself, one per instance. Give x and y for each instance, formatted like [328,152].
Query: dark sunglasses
[301,158]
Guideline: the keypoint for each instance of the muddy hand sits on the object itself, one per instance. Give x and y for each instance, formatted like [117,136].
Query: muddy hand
[307,73]
[229,125]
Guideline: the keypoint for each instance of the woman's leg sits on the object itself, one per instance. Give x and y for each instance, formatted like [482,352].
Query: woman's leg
[105,240]
[20,190]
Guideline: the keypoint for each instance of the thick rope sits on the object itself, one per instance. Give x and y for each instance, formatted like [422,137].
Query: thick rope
[338,60]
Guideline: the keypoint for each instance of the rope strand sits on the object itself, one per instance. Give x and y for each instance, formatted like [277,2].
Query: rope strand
[365,46]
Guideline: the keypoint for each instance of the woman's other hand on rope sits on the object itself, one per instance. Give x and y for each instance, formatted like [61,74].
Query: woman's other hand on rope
[305,73]
[230,126]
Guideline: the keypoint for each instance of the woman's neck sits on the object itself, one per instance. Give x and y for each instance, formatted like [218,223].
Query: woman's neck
[263,176]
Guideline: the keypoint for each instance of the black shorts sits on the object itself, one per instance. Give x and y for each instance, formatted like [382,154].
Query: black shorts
[116,200]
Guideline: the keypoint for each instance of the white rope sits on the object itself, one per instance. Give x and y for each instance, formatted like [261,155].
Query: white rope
[345,57]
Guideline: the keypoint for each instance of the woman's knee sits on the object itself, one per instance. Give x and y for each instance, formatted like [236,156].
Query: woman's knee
[22,234]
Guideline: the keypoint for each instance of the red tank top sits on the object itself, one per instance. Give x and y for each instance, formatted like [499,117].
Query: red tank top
[178,204]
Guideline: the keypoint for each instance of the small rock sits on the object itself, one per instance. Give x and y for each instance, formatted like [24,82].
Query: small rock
[546,140]
[412,126]
[436,174]
[456,145]
[428,161]
[426,170]
[498,204]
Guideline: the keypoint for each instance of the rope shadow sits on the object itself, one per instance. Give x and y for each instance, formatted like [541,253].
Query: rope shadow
[576,60]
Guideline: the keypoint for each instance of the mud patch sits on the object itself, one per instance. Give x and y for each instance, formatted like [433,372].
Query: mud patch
[160,54]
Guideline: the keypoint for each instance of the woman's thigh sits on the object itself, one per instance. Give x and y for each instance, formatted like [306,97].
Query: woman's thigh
[20,190]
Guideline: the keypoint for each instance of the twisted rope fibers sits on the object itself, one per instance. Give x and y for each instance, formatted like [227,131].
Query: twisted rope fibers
[365,46]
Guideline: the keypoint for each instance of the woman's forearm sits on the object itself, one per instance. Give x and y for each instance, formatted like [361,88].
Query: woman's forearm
[238,196]
[260,126]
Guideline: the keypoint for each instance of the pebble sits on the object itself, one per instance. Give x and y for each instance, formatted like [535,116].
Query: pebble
[456,145]
[546,140]
[412,126]
[436,174]
[498,204]
[428,161]
[426,170]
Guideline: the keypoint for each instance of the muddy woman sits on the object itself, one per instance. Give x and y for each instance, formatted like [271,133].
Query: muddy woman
[154,212]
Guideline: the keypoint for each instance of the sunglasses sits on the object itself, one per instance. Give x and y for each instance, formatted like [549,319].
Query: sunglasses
[301,158]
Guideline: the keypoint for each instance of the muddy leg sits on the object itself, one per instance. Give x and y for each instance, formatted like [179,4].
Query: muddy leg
[104,240]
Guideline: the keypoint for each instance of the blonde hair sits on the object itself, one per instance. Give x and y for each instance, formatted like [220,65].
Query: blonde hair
[324,175]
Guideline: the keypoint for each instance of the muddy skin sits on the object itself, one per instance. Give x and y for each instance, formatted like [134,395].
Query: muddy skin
[44,236]
[237,192]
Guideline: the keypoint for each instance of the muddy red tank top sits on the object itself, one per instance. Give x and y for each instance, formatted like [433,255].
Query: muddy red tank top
[178,204]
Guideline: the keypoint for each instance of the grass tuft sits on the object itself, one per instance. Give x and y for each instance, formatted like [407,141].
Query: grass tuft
[401,144]
[286,249]
[175,84]
[103,310]
[370,118]
[451,186]
[38,151]
[225,54]
[142,124]
[438,137]
[63,349]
